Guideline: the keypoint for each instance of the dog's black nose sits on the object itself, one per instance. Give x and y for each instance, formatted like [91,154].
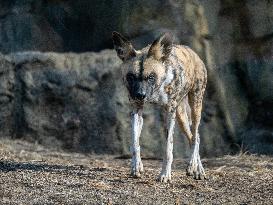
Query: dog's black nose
[140,95]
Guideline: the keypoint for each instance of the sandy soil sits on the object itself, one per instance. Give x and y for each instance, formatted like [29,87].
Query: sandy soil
[32,174]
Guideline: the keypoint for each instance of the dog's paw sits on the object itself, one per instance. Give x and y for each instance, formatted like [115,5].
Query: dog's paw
[197,171]
[141,169]
[165,177]
[137,169]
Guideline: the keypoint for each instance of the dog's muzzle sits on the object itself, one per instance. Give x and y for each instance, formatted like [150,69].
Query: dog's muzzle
[140,95]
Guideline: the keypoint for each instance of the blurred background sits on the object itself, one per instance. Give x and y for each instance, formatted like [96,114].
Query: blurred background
[60,82]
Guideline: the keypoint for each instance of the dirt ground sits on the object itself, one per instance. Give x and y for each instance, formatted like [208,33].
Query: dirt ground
[32,174]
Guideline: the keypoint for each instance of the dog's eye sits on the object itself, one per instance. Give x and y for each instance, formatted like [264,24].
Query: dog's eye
[151,77]
[130,77]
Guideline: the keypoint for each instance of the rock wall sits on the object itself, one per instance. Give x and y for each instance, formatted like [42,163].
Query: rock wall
[77,100]
[242,44]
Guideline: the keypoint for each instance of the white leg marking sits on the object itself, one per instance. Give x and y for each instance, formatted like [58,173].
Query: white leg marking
[165,174]
[137,122]
[195,167]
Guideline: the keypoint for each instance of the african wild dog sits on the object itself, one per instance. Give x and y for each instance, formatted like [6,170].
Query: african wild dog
[174,77]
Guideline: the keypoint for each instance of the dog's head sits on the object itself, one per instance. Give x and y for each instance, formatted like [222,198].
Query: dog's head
[144,71]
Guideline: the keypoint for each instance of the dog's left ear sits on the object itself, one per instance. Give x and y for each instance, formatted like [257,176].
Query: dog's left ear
[161,47]
[123,47]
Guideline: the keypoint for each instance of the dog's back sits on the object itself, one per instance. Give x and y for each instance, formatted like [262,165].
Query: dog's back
[192,65]
[189,71]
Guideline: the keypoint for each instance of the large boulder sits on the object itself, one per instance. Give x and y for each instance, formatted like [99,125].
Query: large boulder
[78,102]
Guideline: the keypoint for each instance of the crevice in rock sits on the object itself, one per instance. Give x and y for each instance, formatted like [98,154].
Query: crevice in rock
[18,110]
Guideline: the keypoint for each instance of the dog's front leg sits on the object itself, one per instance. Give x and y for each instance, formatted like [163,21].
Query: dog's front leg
[165,174]
[137,122]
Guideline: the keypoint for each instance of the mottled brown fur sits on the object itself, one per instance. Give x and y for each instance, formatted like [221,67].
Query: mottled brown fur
[179,79]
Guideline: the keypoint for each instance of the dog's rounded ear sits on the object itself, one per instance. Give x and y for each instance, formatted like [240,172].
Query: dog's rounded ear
[123,47]
[161,47]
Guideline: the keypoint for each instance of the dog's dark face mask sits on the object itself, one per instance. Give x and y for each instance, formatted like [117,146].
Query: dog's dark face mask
[140,87]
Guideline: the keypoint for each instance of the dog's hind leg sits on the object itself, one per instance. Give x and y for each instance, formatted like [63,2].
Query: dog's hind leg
[195,167]
[184,119]
[137,122]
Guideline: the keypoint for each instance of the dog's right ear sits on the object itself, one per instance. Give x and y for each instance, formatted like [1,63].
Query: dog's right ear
[123,47]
